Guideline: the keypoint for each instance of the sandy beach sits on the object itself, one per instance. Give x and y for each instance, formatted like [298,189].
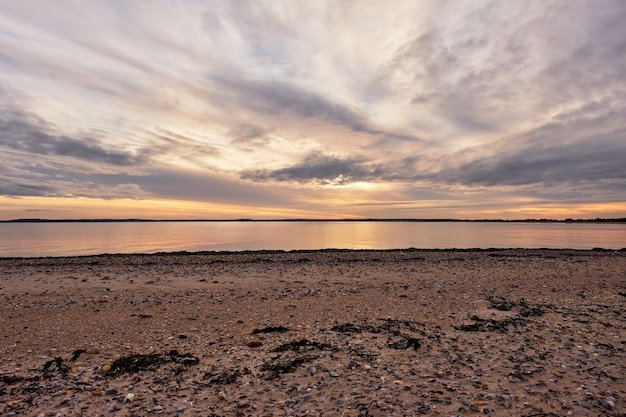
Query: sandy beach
[315,333]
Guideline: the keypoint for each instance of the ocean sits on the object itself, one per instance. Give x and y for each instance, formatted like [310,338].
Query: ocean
[92,238]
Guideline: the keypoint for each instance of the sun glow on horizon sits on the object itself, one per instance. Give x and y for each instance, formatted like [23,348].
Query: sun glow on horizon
[50,208]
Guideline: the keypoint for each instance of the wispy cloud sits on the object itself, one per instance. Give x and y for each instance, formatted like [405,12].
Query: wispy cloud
[433,106]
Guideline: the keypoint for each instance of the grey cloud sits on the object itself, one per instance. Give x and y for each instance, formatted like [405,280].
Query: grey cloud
[275,98]
[249,134]
[193,150]
[441,74]
[209,187]
[30,134]
[319,168]
[597,63]
[538,55]
[18,187]
[581,149]
[161,183]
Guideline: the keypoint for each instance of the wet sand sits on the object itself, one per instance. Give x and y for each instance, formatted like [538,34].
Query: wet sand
[332,333]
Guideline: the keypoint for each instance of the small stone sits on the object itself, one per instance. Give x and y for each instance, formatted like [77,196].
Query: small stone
[221,395]
[254,343]
[106,369]
[130,397]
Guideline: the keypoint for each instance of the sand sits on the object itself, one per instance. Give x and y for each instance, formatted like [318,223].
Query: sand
[327,333]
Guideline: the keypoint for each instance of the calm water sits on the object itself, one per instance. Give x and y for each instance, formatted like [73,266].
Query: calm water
[62,239]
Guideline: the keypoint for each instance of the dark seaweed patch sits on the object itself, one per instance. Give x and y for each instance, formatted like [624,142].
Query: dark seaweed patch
[76,354]
[277,365]
[346,328]
[227,377]
[303,345]
[491,325]
[138,362]
[405,343]
[55,366]
[271,329]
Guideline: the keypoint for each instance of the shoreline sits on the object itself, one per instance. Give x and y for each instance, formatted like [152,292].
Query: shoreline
[329,332]
[324,250]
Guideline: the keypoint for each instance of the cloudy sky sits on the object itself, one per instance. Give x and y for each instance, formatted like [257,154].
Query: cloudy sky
[284,109]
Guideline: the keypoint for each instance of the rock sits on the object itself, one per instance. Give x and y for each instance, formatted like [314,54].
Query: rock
[106,369]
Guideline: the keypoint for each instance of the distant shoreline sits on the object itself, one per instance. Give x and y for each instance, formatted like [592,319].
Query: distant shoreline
[410,220]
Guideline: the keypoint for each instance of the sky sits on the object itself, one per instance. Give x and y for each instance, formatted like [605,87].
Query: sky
[312,109]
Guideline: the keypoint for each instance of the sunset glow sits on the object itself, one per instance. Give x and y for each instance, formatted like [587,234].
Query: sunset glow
[281,109]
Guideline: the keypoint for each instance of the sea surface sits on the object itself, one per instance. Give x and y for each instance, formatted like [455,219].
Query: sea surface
[83,238]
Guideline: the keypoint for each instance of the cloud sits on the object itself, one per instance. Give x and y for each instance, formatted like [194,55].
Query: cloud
[249,134]
[317,167]
[21,188]
[279,98]
[272,102]
[25,137]
[28,133]
[581,150]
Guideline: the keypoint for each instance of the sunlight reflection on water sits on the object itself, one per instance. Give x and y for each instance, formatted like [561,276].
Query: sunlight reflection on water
[63,239]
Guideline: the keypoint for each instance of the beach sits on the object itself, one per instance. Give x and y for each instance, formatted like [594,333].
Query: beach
[317,333]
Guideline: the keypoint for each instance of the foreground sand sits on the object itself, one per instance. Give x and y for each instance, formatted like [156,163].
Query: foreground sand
[332,333]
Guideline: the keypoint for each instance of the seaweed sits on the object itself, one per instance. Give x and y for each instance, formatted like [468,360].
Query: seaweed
[525,308]
[76,354]
[499,303]
[138,362]
[226,377]
[394,327]
[303,345]
[405,343]
[491,325]
[277,366]
[271,329]
[54,366]
[346,328]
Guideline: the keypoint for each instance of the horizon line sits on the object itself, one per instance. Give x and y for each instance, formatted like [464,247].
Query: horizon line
[369,219]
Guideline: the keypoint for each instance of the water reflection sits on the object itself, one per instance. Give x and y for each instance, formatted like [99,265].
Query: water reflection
[60,239]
